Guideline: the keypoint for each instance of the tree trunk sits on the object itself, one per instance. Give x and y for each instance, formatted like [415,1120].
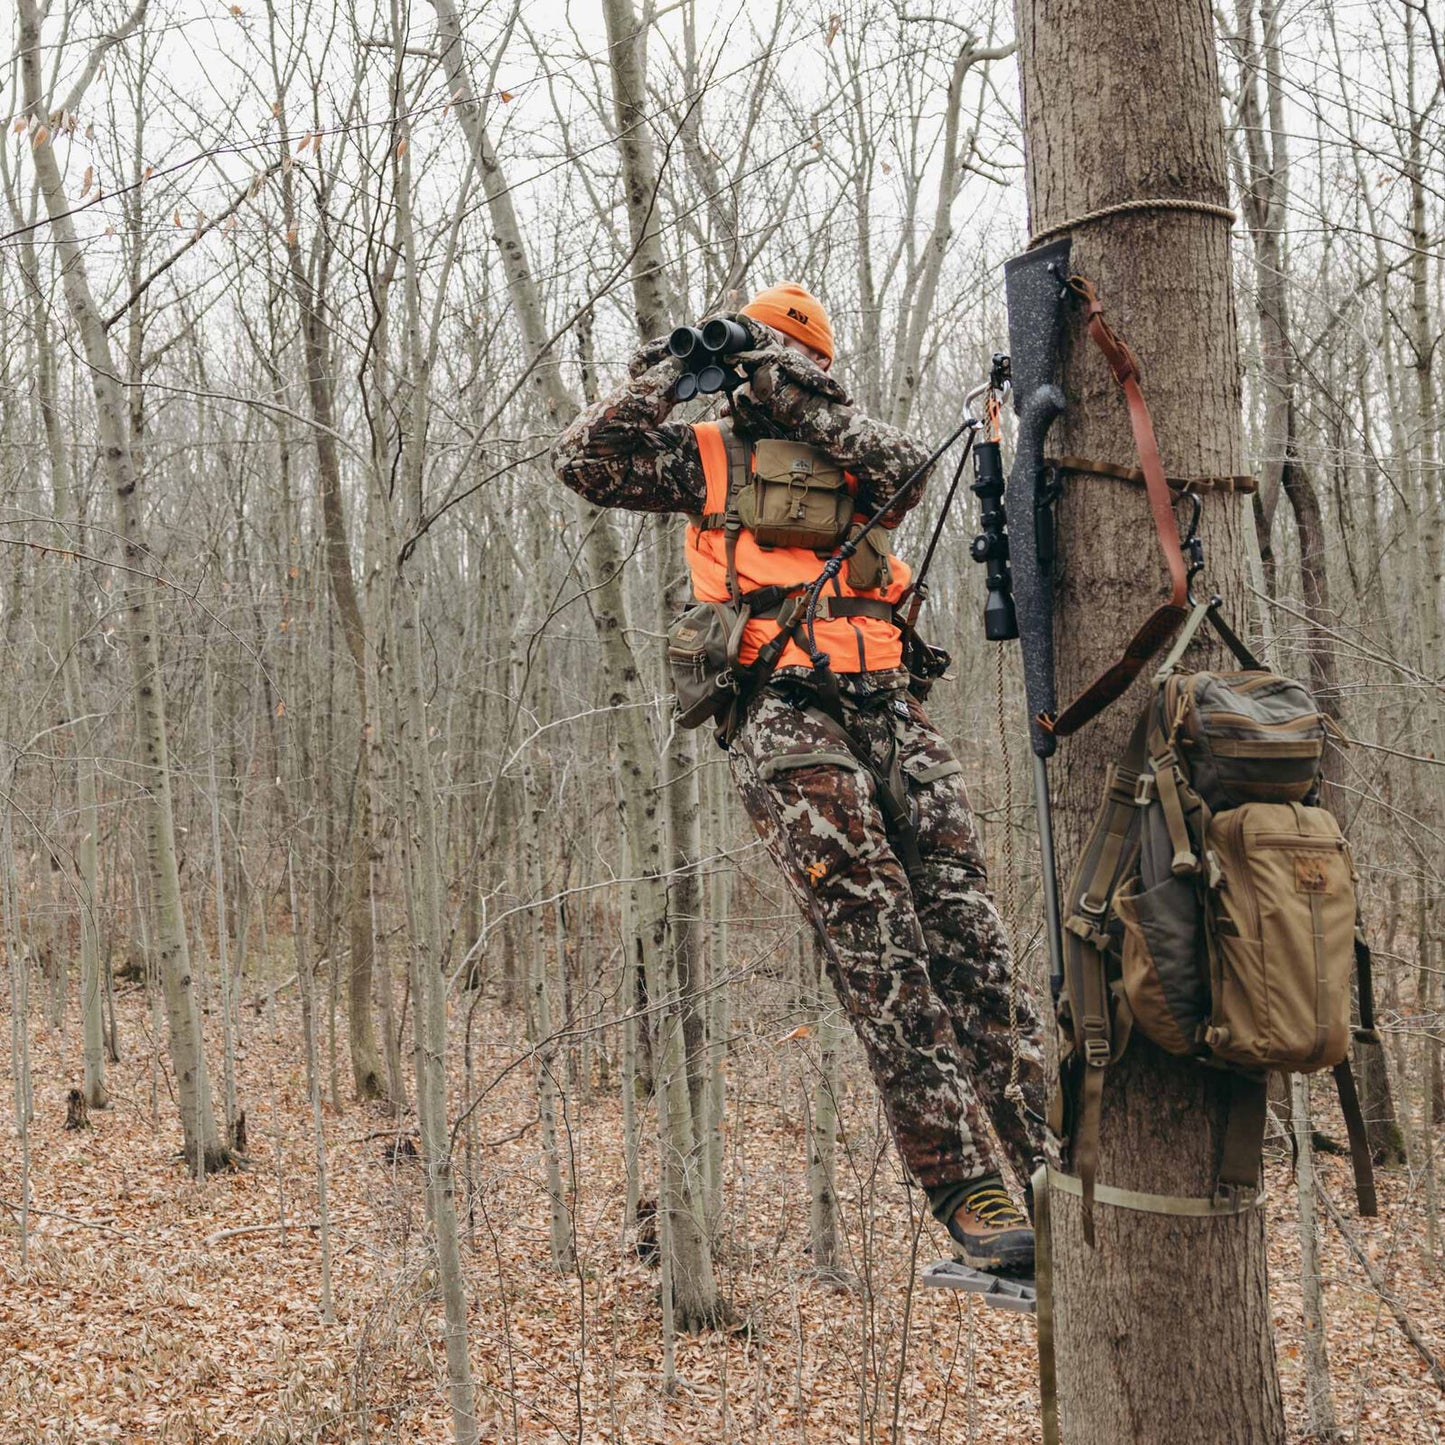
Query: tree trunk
[203,1147]
[366,1062]
[1141,1317]
[1322,1420]
[636,755]
[67,513]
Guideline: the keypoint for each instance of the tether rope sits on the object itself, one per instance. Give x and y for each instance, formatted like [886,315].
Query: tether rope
[1163,203]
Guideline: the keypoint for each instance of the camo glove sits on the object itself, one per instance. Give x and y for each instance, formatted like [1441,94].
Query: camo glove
[783,391]
[649,355]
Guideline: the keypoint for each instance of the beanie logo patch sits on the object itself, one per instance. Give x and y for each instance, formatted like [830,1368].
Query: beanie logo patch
[797,315]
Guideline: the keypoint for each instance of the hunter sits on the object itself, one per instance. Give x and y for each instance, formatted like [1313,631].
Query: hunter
[912,942]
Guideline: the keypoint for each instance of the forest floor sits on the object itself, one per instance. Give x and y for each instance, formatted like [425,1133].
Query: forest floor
[141,1315]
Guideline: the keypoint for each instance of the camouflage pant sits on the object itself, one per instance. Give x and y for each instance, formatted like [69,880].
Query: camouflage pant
[921,968]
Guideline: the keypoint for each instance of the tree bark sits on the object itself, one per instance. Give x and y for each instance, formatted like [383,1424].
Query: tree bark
[1143,1318]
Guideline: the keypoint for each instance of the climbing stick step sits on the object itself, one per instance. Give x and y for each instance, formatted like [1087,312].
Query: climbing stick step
[1006,1294]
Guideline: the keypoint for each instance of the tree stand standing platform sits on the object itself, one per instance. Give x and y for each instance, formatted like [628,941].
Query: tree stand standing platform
[1003,1293]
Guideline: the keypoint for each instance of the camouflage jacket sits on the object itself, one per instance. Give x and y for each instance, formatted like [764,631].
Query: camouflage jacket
[624,452]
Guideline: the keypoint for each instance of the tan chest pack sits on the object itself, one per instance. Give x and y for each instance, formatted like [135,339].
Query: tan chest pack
[1213,911]
[787,494]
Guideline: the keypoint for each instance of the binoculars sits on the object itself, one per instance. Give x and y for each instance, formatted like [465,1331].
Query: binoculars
[704,350]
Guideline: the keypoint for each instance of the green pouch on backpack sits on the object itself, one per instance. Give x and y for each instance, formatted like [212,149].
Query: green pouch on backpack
[1281,925]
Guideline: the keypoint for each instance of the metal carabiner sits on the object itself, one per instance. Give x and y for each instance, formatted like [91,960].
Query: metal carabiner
[1192,544]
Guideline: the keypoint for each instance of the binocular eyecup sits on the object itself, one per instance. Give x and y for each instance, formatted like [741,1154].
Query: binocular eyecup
[704,351]
[724,335]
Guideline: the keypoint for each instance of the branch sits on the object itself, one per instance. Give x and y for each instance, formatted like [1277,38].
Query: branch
[1378,1284]
[244,194]
[106,43]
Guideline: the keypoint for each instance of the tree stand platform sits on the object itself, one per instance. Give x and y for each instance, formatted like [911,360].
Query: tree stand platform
[1000,1291]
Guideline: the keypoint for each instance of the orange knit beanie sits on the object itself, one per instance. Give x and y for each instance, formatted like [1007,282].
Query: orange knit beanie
[791,310]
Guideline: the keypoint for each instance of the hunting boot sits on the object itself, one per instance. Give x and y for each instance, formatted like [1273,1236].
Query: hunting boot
[990,1231]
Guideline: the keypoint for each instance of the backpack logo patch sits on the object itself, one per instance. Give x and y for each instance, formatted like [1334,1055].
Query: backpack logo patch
[1310,876]
[797,315]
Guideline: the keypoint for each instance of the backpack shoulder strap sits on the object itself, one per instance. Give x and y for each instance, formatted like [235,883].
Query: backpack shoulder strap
[1360,1160]
[739,462]
[1099,1031]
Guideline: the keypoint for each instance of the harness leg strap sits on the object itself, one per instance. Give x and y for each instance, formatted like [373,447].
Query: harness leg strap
[899,821]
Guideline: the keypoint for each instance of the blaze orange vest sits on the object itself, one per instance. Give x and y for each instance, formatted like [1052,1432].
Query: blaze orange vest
[853,644]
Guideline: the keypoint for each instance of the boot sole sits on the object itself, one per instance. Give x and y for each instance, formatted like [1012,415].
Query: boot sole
[1016,1260]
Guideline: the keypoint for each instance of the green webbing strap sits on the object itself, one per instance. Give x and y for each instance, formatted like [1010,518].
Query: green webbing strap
[1166,784]
[1243,1137]
[1206,611]
[1242,655]
[1360,1160]
[1085,1148]
[1186,636]
[1179,1205]
[1044,1306]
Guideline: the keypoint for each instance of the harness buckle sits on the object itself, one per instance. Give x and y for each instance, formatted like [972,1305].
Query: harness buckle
[1144,790]
[1228,1196]
[1096,1051]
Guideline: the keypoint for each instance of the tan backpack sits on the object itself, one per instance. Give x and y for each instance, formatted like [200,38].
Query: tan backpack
[1213,910]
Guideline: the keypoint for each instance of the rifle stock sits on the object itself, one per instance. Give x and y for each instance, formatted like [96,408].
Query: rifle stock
[1034,286]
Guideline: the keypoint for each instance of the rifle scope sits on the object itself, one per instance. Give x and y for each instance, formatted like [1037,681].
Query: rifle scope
[990,547]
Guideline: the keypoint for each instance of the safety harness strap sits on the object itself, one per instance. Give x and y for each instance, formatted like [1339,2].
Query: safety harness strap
[899,819]
[737,460]
[1159,628]
[829,606]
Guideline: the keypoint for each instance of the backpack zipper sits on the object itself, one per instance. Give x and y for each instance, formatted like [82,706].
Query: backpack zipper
[1293,725]
[1300,840]
[1236,836]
